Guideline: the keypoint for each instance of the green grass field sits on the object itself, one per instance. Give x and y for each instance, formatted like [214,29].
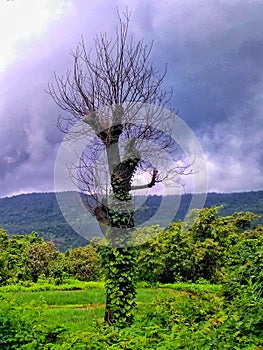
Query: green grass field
[168,317]
[78,305]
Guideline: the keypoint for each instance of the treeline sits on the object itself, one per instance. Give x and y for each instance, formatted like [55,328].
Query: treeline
[208,247]
[39,211]
[29,258]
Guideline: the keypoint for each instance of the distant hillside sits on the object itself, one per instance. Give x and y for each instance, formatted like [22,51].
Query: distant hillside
[231,202]
[39,212]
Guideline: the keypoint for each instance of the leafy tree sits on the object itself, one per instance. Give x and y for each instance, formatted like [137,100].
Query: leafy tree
[185,252]
[14,256]
[245,262]
[59,269]
[38,258]
[203,249]
[3,240]
[243,220]
[84,263]
[151,259]
[116,95]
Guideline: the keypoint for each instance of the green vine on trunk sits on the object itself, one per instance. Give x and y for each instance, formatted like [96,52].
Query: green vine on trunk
[120,286]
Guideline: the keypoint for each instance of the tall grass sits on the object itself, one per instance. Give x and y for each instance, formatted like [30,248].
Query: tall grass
[191,287]
[45,286]
[73,320]
[60,298]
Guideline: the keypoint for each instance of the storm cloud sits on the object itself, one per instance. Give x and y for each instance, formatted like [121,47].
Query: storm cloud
[214,52]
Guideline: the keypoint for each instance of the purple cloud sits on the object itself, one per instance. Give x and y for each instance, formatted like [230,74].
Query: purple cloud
[214,55]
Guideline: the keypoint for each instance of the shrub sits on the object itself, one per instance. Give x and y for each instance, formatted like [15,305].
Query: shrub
[84,263]
[23,328]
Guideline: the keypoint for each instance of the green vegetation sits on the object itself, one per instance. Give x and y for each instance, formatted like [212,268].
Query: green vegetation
[200,250]
[24,213]
[199,287]
[40,212]
[28,258]
[165,319]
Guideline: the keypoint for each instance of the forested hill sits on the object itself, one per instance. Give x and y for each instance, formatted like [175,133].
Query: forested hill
[39,212]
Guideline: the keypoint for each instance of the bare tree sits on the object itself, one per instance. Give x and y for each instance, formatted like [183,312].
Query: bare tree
[116,93]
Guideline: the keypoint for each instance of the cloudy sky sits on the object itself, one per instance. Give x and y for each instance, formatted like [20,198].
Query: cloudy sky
[214,52]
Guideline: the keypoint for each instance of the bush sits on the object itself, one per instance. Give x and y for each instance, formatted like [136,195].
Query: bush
[243,289]
[203,321]
[245,267]
[84,263]
[23,328]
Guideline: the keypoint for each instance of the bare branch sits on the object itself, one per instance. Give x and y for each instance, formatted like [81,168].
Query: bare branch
[115,90]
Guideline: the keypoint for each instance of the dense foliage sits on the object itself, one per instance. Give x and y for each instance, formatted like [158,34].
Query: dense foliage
[29,258]
[201,249]
[39,212]
[208,248]
[25,330]
[198,320]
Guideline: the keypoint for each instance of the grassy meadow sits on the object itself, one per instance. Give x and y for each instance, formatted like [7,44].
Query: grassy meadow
[83,304]
[168,316]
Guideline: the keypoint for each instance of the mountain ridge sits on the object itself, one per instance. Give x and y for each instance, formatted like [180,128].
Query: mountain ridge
[24,213]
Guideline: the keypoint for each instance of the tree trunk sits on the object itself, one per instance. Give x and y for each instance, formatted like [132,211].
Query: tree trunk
[120,286]
[120,259]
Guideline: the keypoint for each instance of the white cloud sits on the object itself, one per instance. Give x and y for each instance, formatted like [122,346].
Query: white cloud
[233,151]
[22,22]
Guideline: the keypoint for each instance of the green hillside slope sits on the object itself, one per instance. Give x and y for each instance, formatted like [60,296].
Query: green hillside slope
[40,212]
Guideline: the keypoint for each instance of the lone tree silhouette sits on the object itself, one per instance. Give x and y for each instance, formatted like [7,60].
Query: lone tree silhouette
[117,95]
